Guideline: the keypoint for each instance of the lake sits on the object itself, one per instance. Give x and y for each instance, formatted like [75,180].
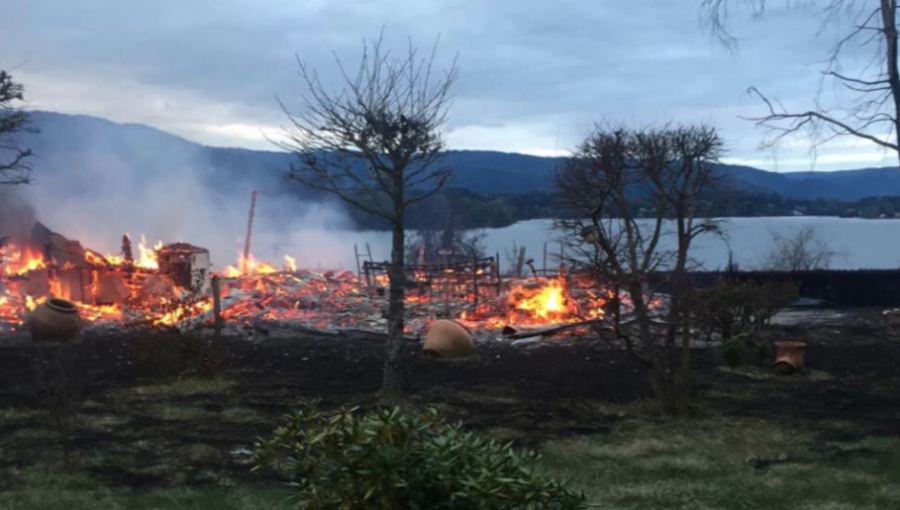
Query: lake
[859,243]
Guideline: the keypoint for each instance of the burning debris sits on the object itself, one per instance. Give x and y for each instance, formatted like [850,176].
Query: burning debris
[170,286]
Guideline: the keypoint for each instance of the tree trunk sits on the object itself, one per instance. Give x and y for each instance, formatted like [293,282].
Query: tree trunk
[889,24]
[684,393]
[391,386]
[658,368]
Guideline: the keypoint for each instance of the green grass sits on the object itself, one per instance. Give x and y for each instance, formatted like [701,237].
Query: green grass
[725,464]
[177,412]
[642,464]
[185,387]
[52,491]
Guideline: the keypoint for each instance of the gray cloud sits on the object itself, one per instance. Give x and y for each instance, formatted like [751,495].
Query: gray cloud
[534,74]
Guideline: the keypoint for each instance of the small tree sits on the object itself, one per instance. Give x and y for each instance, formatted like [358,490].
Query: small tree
[376,144]
[667,169]
[15,167]
[804,250]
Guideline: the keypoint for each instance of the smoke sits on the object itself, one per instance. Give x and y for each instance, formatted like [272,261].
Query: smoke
[17,216]
[169,190]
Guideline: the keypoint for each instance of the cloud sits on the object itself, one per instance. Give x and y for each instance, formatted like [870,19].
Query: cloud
[534,74]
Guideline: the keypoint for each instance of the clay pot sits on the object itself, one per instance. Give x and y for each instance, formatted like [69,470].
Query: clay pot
[448,339]
[55,320]
[789,357]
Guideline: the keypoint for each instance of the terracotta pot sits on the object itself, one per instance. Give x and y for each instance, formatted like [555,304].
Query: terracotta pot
[448,339]
[789,356]
[55,320]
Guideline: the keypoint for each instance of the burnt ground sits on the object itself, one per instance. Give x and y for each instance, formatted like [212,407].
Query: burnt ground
[154,410]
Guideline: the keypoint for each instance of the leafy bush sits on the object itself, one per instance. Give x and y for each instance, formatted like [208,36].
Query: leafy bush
[731,352]
[733,309]
[390,459]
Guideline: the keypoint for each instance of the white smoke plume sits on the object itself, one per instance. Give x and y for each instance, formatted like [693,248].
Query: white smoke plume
[164,193]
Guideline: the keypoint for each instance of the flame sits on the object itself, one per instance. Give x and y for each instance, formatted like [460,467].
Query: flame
[148,258]
[253,266]
[20,262]
[548,302]
[290,264]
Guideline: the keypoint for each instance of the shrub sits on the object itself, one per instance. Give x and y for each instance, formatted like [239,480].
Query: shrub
[732,309]
[390,459]
[731,352]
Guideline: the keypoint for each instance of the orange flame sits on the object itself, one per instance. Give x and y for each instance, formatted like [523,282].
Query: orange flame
[290,264]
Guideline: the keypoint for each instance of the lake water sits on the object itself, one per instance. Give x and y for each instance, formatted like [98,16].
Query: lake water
[859,243]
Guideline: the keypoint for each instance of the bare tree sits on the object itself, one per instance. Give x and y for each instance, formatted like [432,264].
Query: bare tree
[871,111]
[804,250]
[670,168]
[15,168]
[376,144]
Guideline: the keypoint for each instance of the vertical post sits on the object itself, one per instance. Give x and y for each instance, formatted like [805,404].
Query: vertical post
[562,258]
[246,259]
[497,268]
[217,310]
[358,269]
[475,277]
[545,259]
[369,249]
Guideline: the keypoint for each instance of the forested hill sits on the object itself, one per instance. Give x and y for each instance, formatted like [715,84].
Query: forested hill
[493,187]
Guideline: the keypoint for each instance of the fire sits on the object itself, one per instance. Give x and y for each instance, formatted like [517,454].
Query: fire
[547,303]
[538,302]
[253,266]
[20,262]
[260,291]
[148,258]
[290,264]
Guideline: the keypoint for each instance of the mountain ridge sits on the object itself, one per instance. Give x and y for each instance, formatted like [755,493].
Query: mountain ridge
[76,143]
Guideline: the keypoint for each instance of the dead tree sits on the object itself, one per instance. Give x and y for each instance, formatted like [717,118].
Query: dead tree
[377,144]
[803,250]
[15,167]
[871,111]
[669,169]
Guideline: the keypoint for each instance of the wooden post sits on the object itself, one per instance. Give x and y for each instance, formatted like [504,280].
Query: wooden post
[545,259]
[217,310]
[244,263]
[562,258]
[358,268]
[497,268]
[475,277]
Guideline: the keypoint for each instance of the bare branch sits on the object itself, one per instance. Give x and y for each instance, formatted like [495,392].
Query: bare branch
[15,167]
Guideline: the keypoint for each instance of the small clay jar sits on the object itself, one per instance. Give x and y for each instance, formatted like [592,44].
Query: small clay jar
[448,339]
[56,320]
[789,357]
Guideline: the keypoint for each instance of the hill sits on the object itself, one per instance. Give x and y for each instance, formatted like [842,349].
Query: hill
[81,150]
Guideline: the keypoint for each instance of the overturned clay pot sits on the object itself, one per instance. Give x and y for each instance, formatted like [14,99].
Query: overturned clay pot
[56,320]
[789,357]
[448,339]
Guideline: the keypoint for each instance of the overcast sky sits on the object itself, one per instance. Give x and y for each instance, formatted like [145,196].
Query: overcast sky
[534,75]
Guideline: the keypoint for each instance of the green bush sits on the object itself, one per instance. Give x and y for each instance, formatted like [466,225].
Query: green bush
[390,459]
[733,309]
[731,352]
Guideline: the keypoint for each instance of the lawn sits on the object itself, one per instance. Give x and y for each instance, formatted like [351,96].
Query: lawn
[728,463]
[824,440]
[642,464]
[51,490]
